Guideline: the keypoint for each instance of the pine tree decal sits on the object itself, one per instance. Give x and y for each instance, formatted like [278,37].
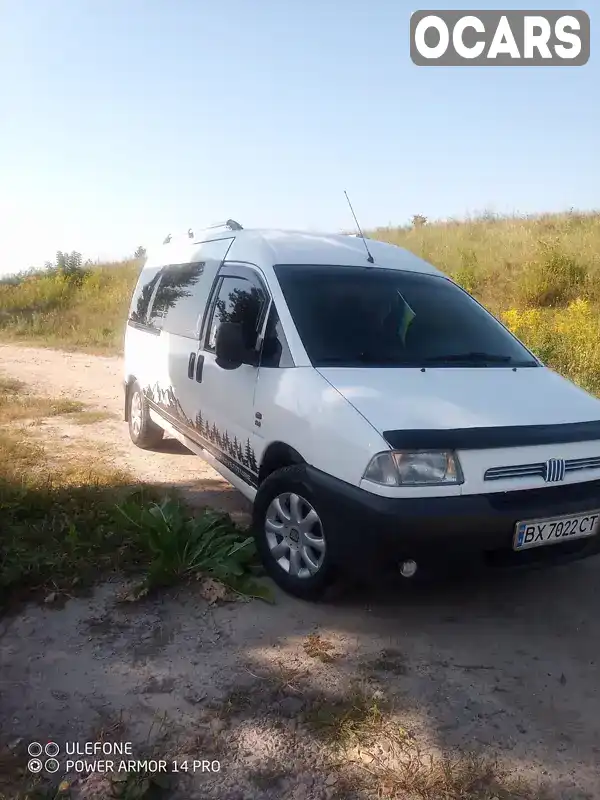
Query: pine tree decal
[199,422]
[214,433]
[234,447]
[227,442]
[252,465]
[248,454]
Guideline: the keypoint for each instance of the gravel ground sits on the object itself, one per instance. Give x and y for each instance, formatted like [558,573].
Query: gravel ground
[506,666]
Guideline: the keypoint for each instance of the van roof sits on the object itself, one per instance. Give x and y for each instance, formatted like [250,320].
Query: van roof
[272,246]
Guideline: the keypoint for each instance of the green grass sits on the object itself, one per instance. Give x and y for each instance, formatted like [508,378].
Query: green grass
[17,403]
[81,315]
[66,520]
[182,545]
[509,261]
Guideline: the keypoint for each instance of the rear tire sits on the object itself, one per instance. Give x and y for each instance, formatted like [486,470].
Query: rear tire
[290,533]
[143,432]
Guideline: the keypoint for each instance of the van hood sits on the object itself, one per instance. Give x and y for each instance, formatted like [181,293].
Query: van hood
[456,397]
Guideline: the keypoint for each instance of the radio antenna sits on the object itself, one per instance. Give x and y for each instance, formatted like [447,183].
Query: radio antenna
[360,233]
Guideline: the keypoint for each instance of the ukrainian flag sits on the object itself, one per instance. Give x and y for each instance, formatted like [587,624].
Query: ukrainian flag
[407,315]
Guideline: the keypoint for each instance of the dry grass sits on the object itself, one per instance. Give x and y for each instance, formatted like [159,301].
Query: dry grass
[417,776]
[500,259]
[87,315]
[540,275]
[58,520]
[511,264]
[317,647]
[367,744]
[68,516]
[91,417]
[18,403]
[356,719]
[390,661]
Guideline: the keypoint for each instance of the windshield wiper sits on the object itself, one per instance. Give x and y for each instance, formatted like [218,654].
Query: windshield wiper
[367,358]
[473,356]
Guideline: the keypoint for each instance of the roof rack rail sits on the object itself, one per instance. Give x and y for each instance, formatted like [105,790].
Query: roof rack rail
[230,224]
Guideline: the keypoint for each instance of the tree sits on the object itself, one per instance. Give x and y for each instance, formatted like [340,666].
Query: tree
[249,455]
[68,265]
[419,221]
[250,458]
[174,285]
[140,252]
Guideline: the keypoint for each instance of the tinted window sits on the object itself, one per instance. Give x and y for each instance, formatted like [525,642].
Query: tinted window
[176,289]
[275,351]
[142,295]
[238,300]
[350,316]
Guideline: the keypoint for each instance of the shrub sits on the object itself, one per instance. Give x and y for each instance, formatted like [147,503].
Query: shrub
[567,340]
[468,275]
[554,279]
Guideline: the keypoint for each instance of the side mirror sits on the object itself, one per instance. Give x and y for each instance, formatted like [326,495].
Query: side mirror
[230,348]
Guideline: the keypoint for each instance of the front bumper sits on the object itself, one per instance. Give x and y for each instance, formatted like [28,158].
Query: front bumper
[369,535]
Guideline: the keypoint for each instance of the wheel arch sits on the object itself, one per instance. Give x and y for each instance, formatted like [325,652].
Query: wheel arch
[276,456]
[127,384]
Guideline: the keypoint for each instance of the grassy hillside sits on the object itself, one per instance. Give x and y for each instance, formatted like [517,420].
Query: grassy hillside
[87,313]
[539,275]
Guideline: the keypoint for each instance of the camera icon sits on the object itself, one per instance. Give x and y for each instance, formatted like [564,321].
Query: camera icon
[52,749]
[35,749]
[34,765]
[52,765]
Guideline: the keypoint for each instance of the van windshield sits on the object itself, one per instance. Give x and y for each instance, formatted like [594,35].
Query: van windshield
[373,317]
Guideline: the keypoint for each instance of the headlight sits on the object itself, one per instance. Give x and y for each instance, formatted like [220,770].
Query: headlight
[414,468]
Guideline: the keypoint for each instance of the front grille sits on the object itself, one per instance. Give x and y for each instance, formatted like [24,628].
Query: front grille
[539,469]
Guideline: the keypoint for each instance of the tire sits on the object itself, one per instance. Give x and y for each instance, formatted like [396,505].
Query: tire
[143,432]
[297,558]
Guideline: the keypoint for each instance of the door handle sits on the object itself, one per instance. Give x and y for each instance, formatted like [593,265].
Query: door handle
[199,365]
[191,363]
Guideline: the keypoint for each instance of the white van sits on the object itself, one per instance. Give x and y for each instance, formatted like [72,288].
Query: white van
[378,416]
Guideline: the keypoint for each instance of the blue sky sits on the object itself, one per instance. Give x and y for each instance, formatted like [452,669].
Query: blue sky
[122,120]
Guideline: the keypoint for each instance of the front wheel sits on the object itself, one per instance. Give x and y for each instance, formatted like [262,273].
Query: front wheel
[143,432]
[290,534]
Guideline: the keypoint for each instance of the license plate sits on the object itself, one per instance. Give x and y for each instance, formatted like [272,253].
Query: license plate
[538,532]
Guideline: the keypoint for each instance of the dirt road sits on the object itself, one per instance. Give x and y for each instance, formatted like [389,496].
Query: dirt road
[507,666]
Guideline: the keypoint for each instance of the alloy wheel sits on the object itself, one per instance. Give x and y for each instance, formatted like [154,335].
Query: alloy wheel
[294,535]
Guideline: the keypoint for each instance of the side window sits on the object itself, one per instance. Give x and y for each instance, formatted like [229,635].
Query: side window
[142,295]
[237,300]
[177,283]
[275,351]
